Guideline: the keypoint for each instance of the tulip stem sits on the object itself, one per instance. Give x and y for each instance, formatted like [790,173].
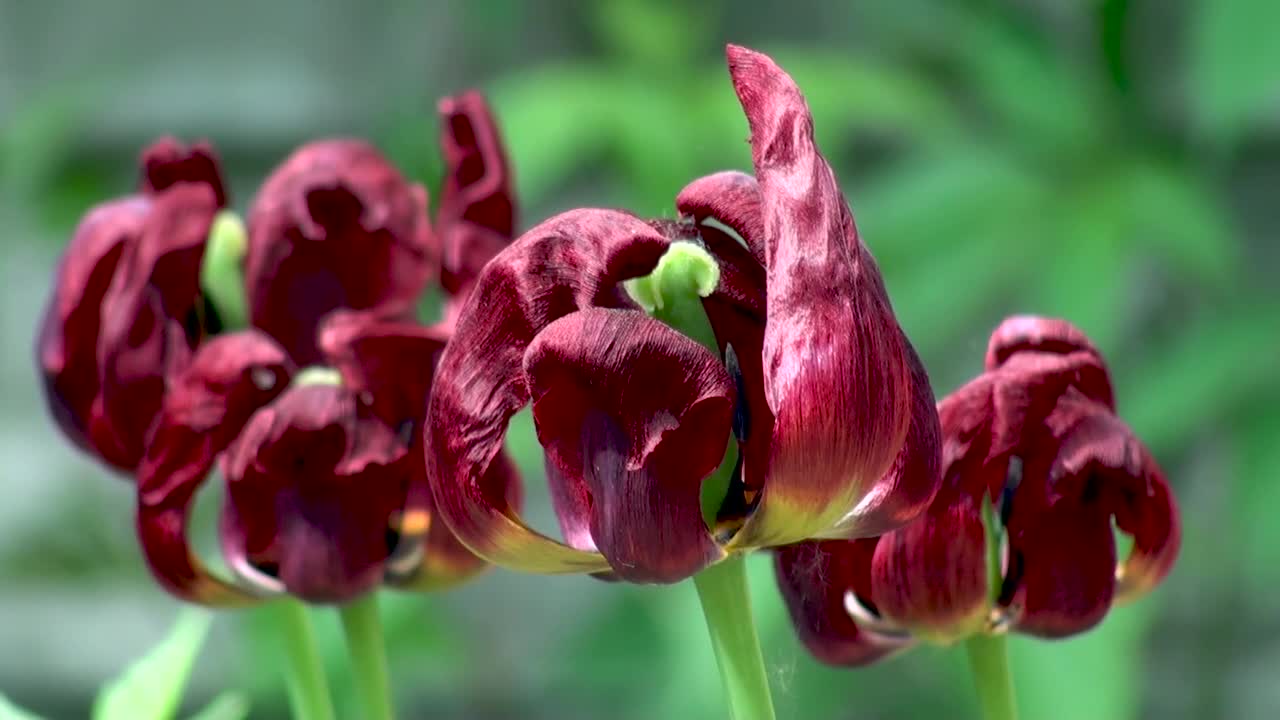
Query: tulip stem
[722,589]
[989,660]
[363,628]
[305,680]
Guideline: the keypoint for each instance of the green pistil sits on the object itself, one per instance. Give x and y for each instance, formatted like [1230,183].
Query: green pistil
[317,375]
[222,271]
[673,293]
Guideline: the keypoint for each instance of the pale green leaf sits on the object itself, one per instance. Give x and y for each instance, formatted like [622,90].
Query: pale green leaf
[9,711]
[230,705]
[151,688]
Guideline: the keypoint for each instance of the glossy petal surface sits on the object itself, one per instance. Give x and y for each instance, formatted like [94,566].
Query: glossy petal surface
[641,414]
[835,368]
[572,261]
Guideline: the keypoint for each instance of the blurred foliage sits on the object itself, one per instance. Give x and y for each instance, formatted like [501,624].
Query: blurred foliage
[1111,161]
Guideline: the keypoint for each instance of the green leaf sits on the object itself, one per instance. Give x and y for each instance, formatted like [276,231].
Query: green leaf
[230,705]
[1027,85]
[151,688]
[9,711]
[1234,55]
[1206,369]
[1176,215]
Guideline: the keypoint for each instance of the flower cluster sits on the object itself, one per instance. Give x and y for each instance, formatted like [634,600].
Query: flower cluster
[1036,439]
[728,380]
[312,414]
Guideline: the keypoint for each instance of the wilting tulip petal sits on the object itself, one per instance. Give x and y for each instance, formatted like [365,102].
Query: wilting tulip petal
[820,581]
[168,162]
[731,199]
[931,576]
[912,482]
[390,359]
[1152,521]
[207,404]
[835,369]
[335,226]
[572,261]
[1066,558]
[313,482]
[1056,351]
[642,414]
[389,364]
[67,349]
[156,288]
[477,204]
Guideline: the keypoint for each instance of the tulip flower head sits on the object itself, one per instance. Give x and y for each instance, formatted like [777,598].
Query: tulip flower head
[757,323]
[1036,442]
[313,414]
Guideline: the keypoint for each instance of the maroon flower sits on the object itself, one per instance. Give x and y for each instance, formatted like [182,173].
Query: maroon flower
[126,303]
[326,484]
[1036,436]
[811,373]
[335,226]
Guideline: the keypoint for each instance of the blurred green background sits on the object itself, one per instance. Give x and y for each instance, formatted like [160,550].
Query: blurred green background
[1114,162]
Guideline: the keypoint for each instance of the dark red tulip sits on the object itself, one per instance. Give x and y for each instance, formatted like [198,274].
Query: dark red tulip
[476,219]
[1035,436]
[335,226]
[228,379]
[326,483]
[126,303]
[810,372]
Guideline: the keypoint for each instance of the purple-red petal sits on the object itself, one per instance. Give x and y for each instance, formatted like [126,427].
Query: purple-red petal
[835,367]
[313,484]
[335,226]
[168,162]
[642,414]
[818,581]
[572,261]
[477,211]
[207,404]
[145,319]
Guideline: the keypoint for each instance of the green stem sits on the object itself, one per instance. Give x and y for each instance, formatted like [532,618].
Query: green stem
[363,627]
[722,589]
[304,674]
[989,660]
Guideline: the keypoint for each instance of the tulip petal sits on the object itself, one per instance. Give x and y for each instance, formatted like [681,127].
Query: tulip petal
[313,483]
[1063,586]
[572,261]
[731,199]
[1100,456]
[67,346]
[913,481]
[206,405]
[1054,348]
[155,289]
[1152,520]
[835,369]
[931,575]
[390,359]
[335,226]
[168,162]
[818,580]
[477,204]
[642,414]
